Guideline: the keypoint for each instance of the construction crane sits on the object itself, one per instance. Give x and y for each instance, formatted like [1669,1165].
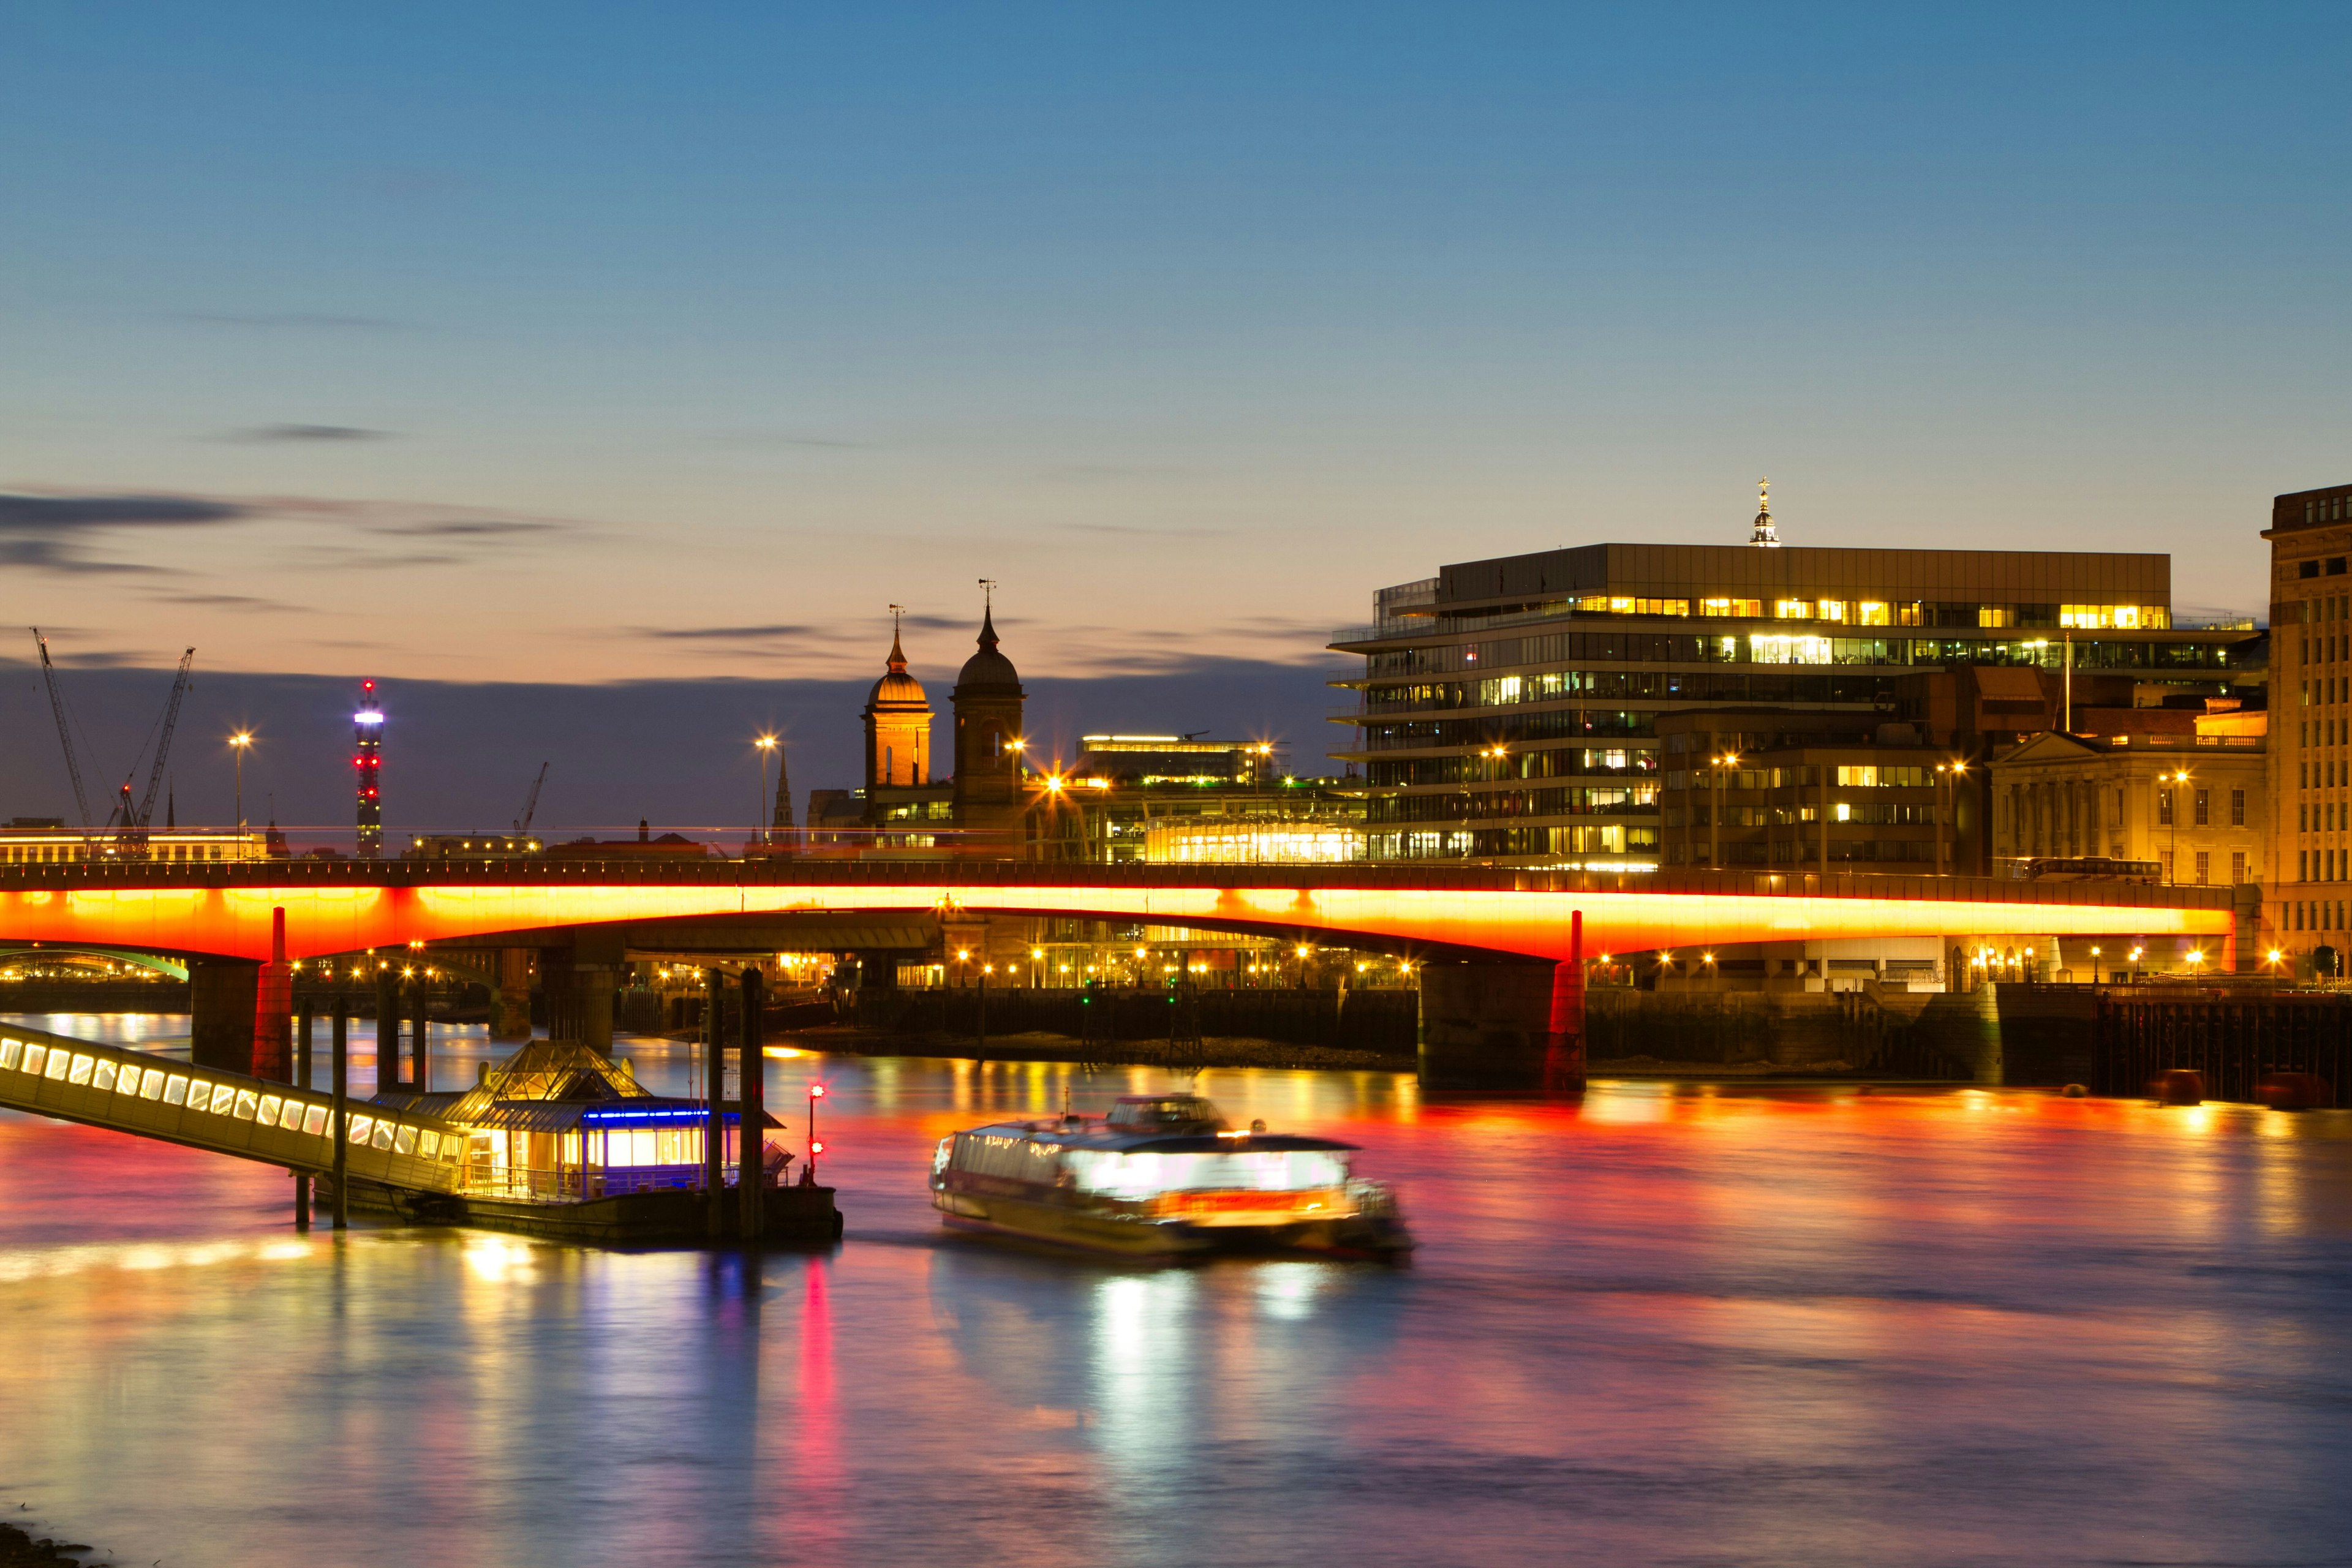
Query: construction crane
[163,742]
[531,802]
[65,729]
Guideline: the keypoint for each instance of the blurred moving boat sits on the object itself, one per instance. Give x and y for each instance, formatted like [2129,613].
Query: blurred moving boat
[1163,1175]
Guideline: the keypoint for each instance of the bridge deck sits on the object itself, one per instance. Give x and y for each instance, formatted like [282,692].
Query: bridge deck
[131,1091]
[345,906]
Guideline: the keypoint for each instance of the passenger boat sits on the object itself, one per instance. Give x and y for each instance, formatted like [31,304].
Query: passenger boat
[1163,1175]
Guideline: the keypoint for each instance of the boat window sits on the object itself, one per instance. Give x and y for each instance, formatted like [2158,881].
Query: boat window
[79,1072]
[360,1127]
[12,1052]
[1168,1110]
[403,1142]
[314,1120]
[35,1056]
[103,1077]
[269,1104]
[175,1090]
[151,1087]
[382,1136]
[224,1096]
[1014,1158]
[247,1102]
[289,1116]
[1130,1176]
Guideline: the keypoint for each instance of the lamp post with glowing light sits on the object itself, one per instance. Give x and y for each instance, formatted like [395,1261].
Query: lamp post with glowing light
[808,1170]
[2176,778]
[242,740]
[1948,782]
[1714,816]
[766,743]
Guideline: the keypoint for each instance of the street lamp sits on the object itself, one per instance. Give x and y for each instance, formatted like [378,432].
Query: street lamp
[1715,817]
[808,1170]
[1947,779]
[766,743]
[241,741]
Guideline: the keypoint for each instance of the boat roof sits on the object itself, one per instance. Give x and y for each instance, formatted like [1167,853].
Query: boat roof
[1147,1141]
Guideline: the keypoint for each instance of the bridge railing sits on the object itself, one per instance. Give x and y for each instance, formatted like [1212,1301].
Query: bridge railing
[129,1090]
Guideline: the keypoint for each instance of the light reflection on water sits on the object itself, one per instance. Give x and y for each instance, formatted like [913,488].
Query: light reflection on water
[1674,1325]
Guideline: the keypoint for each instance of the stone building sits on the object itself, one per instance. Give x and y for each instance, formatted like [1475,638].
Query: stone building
[2191,808]
[2310,759]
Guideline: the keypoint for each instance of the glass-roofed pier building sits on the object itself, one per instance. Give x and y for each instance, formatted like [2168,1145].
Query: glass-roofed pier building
[1509,709]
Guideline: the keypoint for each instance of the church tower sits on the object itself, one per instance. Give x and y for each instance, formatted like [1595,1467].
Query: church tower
[988,741]
[897,725]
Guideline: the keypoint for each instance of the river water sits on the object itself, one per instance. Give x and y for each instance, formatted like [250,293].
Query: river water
[1674,1324]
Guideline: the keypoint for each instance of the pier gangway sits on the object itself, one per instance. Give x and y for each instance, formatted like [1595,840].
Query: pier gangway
[127,1091]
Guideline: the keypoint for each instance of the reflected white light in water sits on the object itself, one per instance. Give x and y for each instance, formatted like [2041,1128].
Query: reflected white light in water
[1287,1291]
[495,1259]
[1147,1368]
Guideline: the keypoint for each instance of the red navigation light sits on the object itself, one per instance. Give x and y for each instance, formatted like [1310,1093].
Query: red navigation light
[816,1091]
[817,1148]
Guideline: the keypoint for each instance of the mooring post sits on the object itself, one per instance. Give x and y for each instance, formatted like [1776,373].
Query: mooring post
[981,1051]
[714,1087]
[341,1121]
[421,1070]
[304,1019]
[387,1028]
[750,1100]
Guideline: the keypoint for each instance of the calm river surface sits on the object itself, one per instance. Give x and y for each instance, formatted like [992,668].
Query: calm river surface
[1672,1325]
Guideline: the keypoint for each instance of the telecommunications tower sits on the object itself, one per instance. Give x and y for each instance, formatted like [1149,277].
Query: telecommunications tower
[367,735]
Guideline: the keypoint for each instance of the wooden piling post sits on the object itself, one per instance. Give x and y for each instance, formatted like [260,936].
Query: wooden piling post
[750,1145]
[341,1121]
[304,1020]
[714,1087]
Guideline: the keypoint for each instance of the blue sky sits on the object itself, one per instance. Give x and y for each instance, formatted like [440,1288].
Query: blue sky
[512,343]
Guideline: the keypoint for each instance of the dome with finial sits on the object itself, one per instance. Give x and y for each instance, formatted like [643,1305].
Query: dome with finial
[1764,534]
[988,673]
[895,685]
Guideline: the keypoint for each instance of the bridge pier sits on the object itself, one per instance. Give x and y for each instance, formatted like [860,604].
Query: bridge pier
[222,993]
[555,984]
[510,997]
[1490,1027]
[593,986]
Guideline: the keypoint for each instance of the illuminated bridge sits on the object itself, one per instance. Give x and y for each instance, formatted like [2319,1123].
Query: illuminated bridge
[1485,925]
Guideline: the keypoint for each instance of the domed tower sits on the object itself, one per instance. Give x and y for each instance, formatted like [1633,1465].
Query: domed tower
[897,725]
[987,700]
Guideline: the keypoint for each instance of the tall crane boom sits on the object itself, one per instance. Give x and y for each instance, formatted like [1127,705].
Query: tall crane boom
[531,802]
[163,740]
[65,729]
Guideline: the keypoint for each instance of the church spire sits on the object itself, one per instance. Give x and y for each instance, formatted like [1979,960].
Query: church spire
[1764,535]
[988,615]
[898,658]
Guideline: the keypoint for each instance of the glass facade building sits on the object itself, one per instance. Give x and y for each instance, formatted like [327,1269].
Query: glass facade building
[1509,709]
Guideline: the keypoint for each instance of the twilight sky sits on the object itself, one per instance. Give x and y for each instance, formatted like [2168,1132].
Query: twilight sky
[589,344]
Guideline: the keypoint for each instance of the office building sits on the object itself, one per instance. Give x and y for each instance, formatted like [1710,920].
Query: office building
[1514,710]
[2309,910]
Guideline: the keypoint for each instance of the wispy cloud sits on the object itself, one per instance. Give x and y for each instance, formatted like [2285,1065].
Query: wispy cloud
[1139,531]
[227,602]
[297,320]
[721,633]
[50,514]
[299,433]
[790,438]
[48,532]
[473,528]
[53,532]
